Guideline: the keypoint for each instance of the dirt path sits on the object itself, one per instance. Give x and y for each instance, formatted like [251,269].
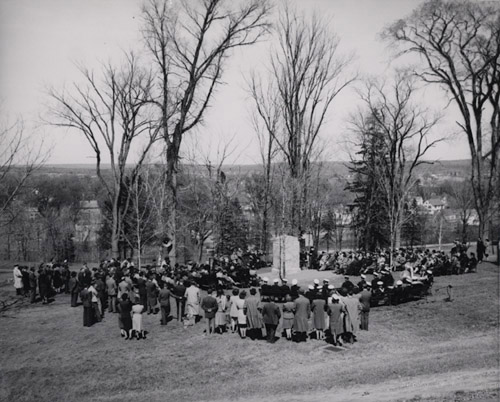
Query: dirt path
[431,387]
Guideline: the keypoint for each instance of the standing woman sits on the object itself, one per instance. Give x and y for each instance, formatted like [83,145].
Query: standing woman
[288,314]
[233,310]
[125,308]
[18,280]
[335,311]
[241,314]
[220,316]
[137,329]
[88,316]
[318,309]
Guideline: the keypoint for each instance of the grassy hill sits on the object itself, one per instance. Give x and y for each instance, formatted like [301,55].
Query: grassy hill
[428,350]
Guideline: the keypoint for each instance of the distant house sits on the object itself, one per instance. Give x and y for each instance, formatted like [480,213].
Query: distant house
[434,205]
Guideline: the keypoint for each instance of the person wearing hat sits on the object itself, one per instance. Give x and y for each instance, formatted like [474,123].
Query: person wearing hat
[348,285]
[95,301]
[311,293]
[265,288]
[294,290]
[335,311]
[364,299]
[361,284]
[375,280]
[301,317]
[285,289]
[276,290]
[318,310]
[387,278]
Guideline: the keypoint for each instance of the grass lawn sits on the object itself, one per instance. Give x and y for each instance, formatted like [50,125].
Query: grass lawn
[428,350]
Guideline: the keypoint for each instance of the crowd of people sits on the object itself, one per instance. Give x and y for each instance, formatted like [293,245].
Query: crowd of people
[236,299]
[458,261]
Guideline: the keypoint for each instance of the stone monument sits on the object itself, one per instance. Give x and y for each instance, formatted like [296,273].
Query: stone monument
[286,255]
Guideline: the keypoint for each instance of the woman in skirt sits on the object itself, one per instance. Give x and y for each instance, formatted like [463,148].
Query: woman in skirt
[137,310]
[288,313]
[125,308]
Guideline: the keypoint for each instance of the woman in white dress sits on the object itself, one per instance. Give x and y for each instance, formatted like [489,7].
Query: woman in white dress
[242,317]
[137,329]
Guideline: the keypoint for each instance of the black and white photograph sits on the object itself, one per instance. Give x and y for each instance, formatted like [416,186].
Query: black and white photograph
[249,200]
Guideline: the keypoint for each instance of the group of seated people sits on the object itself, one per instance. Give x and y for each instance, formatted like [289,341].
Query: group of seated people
[458,261]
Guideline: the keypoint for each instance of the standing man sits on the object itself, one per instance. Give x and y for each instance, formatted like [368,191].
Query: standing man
[364,299]
[18,280]
[192,297]
[301,317]
[180,300]
[164,298]
[271,316]
[32,279]
[94,297]
[210,306]
[151,294]
[112,288]
[73,289]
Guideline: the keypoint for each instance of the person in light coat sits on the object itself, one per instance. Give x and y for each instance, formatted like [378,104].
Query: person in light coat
[18,280]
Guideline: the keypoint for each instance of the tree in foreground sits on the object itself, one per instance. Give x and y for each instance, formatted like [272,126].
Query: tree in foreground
[190,43]
[112,112]
[401,129]
[306,73]
[459,47]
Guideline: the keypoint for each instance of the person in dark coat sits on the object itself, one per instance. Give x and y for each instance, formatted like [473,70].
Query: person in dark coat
[43,285]
[480,249]
[141,287]
[271,316]
[164,299]
[73,289]
[209,305]
[125,309]
[364,298]
[26,281]
[100,286]
[88,311]
[33,280]
[348,285]
[178,293]
[151,294]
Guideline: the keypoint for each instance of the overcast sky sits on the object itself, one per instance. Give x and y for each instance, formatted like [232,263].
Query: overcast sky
[41,40]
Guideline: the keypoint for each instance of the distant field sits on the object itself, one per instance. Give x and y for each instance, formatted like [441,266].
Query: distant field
[429,350]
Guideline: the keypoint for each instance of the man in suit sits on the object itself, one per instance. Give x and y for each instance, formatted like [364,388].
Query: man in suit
[271,316]
[32,280]
[112,288]
[364,299]
[164,299]
[151,295]
[73,289]
[86,299]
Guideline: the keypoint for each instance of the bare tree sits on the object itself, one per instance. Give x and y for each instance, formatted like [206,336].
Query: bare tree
[402,131]
[307,72]
[20,157]
[265,119]
[459,45]
[463,201]
[190,43]
[113,114]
